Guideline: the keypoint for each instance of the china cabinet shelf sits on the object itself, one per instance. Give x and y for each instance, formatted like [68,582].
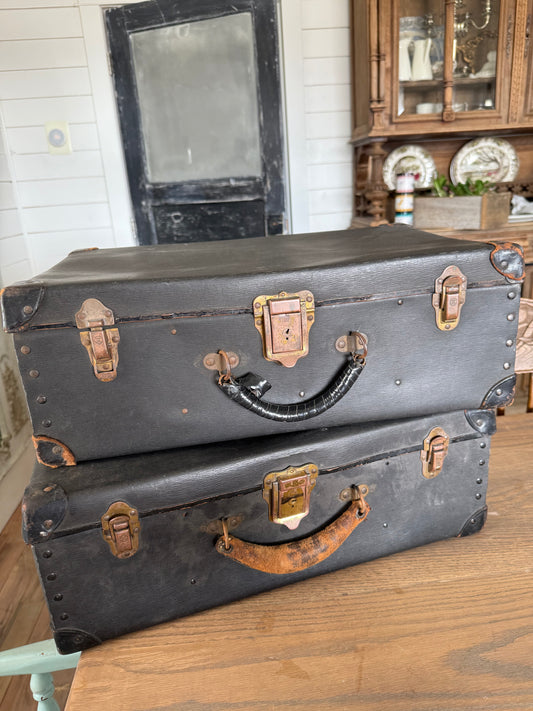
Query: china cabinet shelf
[454,40]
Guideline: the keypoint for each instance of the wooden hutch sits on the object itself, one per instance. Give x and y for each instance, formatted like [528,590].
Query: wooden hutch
[477,81]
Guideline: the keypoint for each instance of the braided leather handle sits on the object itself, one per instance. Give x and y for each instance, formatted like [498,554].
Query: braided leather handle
[299,555]
[240,390]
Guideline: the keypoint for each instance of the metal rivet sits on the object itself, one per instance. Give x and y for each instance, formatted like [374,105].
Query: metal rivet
[173,332]
[46,423]
[28,310]
[447,326]
[385,525]
[47,554]
[48,488]
[309,298]
[499,392]
[510,317]
[48,523]
[399,302]
[78,639]
[43,534]
[132,512]
[481,462]
[108,313]
[509,343]
[301,393]
[57,450]
[25,350]
[51,576]
[479,422]
[34,373]
[210,361]
[472,520]
[257,305]
[185,411]
[233,360]
[511,295]
[63,616]
[193,581]
[341,344]
[41,399]
[398,382]
[309,318]
[506,366]
[504,263]
[478,496]
[482,445]
[479,480]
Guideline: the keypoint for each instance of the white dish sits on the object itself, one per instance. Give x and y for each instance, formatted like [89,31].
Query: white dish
[409,159]
[491,159]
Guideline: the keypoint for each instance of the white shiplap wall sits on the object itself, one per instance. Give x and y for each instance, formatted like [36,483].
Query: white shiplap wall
[64,200]
[327,97]
[14,261]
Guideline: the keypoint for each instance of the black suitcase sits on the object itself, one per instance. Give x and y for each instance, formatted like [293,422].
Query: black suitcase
[125,543]
[148,348]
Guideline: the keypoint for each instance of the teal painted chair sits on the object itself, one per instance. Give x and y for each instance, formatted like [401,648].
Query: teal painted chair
[40,660]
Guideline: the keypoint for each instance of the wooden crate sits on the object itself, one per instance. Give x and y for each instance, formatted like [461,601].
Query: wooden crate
[471,212]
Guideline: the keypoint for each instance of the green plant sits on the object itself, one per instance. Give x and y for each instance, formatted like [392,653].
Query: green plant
[442,187]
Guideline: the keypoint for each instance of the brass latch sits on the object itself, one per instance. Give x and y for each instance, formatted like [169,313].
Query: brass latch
[101,343]
[449,297]
[284,321]
[287,494]
[434,451]
[120,527]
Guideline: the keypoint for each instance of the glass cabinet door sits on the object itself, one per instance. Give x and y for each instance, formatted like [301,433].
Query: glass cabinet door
[426,56]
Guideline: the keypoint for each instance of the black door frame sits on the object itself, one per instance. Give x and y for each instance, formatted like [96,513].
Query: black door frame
[123,21]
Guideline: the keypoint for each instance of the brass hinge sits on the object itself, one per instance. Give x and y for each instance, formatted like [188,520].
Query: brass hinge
[288,492]
[449,297]
[100,341]
[284,321]
[435,449]
[120,528]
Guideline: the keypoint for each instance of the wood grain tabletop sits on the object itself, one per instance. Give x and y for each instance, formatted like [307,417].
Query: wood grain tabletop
[444,627]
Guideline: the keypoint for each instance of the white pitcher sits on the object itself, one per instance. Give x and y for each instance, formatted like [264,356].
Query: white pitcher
[404,61]
[421,67]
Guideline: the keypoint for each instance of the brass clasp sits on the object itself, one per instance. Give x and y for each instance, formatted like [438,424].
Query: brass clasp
[288,493]
[449,297]
[435,449]
[101,343]
[284,321]
[120,528]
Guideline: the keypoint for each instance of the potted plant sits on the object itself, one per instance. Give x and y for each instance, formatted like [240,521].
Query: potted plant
[472,205]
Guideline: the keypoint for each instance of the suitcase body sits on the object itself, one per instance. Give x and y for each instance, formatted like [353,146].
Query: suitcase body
[125,543]
[143,349]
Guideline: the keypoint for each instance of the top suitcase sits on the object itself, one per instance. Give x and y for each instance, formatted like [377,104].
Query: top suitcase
[146,348]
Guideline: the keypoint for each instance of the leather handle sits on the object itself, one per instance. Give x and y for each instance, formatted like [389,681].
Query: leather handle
[240,391]
[298,555]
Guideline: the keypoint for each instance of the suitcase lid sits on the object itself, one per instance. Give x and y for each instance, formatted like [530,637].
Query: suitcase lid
[224,277]
[68,500]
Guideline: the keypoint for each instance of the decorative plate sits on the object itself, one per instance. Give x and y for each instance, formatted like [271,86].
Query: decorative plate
[409,159]
[485,158]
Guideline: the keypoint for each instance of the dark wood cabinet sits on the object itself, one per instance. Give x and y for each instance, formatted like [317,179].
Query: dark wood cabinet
[438,73]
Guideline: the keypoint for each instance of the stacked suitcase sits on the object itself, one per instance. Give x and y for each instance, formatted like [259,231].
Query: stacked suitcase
[216,419]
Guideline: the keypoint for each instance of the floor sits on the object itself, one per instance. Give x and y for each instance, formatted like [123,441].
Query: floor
[23,614]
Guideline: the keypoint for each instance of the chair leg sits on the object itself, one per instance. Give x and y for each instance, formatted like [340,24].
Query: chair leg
[42,686]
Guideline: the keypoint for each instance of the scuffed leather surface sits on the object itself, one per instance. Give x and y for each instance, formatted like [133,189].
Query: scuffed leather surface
[238,391]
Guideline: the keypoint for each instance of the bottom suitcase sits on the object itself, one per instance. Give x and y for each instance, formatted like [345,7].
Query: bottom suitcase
[125,543]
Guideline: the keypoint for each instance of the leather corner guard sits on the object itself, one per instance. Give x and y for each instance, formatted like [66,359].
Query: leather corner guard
[53,453]
[483,421]
[19,305]
[501,394]
[298,555]
[508,259]
[69,641]
[475,523]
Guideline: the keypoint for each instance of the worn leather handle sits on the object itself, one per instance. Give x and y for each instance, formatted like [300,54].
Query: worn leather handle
[243,391]
[299,555]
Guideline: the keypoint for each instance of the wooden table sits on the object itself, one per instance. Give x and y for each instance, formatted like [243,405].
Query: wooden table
[448,626]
